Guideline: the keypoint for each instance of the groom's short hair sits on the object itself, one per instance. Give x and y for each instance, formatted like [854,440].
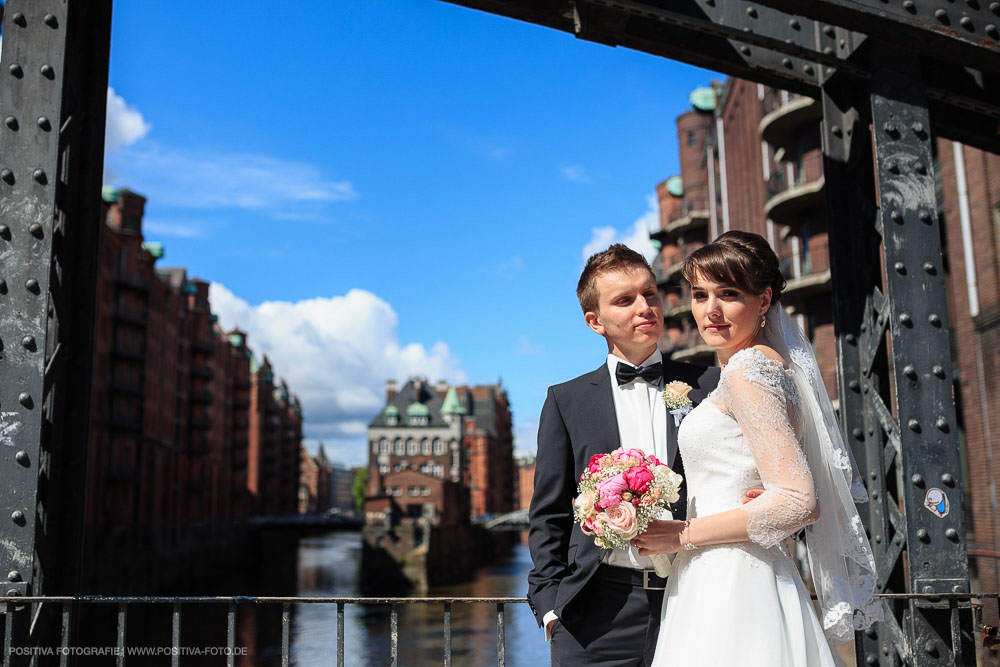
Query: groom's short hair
[618,257]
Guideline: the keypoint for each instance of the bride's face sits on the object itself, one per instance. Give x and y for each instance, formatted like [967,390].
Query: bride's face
[728,317]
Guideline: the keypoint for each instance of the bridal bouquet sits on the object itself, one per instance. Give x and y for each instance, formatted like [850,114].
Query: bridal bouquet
[620,493]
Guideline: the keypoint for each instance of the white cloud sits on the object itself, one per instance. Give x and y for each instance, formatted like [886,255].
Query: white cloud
[635,236]
[526,437]
[177,230]
[213,180]
[527,347]
[124,125]
[575,173]
[336,354]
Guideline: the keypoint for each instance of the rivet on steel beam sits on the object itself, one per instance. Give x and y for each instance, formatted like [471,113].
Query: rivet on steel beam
[858,434]
[956,589]
[51,21]
[941,15]
[938,370]
[3,286]
[966,23]
[934,319]
[951,534]
[751,12]
[710,3]
[16,71]
[20,20]
[854,386]
[929,268]
[47,71]
[36,230]
[28,342]
[878,538]
[875,494]
[5,232]
[842,43]
[10,122]
[897,217]
[7,175]
[917,479]
[39,176]
[942,424]
[864,389]
[909,6]
[745,50]
[17,516]
[13,575]
[44,123]
[24,398]
[871,432]
[827,50]
[837,130]
[914,425]
[871,659]
[890,128]
[922,534]
[926,217]
[995,8]
[851,339]
[808,69]
[904,319]
[787,62]
[22,458]
[898,539]
[892,166]
[874,475]
[32,286]
[992,31]
[12,592]
[947,479]
[871,632]
[910,372]
[920,168]
[794,24]
[900,268]
[829,31]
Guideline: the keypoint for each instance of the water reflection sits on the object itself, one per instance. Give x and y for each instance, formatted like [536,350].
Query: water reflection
[329,566]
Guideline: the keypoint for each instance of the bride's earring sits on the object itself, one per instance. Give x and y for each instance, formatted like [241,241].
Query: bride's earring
[763,320]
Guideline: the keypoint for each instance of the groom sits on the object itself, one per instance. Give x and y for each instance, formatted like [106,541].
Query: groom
[602,607]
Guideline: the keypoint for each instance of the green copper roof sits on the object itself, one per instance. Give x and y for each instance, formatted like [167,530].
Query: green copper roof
[703,99]
[236,340]
[417,410]
[657,243]
[675,186]
[392,411]
[451,405]
[254,364]
[154,249]
[109,193]
[190,288]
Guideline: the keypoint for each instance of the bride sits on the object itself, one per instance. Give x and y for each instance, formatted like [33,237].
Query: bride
[735,596]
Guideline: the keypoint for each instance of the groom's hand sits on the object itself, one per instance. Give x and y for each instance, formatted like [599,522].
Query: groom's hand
[661,537]
[751,494]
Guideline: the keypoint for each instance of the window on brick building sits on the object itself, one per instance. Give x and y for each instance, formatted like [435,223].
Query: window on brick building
[424,491]
[411,446]
[438,446]
[383,446]
[690,138]
[425,446]
[383,468]
[414,491]
[397,447]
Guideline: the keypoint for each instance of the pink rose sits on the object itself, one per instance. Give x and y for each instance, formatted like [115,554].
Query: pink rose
[610,490]
[639,478]
[623,455]
[621,519]
[595,462]
[591,527]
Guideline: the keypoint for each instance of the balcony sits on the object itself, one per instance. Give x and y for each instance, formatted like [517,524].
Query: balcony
[781,124]
[678,312]
[126,387]
[134,283]
[204,346]
[133,316]
[689,220]
[206,371]
[704,354]
[798,289]
[123,350]
[787,203]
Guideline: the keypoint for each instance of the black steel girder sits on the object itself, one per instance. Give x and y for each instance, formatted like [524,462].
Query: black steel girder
[783,49]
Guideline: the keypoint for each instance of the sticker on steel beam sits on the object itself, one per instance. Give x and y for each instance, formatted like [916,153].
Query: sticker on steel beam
[936,501]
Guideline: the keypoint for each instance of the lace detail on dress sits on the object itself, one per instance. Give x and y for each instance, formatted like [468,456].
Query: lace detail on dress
[763,399]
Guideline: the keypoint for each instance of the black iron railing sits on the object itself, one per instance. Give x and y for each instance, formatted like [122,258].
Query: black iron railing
[11,607]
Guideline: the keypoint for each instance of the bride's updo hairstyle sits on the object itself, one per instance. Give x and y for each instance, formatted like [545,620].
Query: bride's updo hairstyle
[741,259]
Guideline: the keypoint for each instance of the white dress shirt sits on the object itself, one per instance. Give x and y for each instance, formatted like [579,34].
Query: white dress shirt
[642,424]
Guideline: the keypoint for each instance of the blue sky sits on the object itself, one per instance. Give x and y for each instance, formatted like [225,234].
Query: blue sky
[382,188]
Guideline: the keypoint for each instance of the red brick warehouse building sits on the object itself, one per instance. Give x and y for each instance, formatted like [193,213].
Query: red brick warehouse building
[751,159]
[189,435]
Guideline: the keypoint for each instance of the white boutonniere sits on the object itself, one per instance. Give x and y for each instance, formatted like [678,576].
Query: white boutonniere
[675,397]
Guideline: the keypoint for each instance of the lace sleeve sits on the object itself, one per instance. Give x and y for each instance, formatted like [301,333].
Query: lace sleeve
[760,395]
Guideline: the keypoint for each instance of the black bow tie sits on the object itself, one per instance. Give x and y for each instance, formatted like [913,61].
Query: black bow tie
[651,374]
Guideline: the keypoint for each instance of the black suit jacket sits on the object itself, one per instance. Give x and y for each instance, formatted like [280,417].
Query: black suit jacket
[578,420]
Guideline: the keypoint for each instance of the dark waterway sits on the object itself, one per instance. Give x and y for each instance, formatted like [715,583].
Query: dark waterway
[329,566]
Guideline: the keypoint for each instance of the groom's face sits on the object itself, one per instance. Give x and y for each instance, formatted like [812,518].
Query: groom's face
[630,315]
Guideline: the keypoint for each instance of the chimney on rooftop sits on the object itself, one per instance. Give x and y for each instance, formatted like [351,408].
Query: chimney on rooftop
[390,389]
[441,387]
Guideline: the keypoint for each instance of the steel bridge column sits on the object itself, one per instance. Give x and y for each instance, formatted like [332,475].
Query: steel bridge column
[894,362]
[53,92]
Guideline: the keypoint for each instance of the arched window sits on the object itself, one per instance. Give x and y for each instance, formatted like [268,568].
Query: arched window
[438,446]
[383,446]
[397,446]
[425,446]
[411,446]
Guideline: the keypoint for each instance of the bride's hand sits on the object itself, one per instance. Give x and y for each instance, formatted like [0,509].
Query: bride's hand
[661,537]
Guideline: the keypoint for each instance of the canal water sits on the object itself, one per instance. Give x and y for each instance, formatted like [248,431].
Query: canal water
[329,566]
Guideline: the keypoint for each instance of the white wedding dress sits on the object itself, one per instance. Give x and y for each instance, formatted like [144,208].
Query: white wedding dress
[744,603]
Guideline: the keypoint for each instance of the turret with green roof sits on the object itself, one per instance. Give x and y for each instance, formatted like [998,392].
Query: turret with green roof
[451,405]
